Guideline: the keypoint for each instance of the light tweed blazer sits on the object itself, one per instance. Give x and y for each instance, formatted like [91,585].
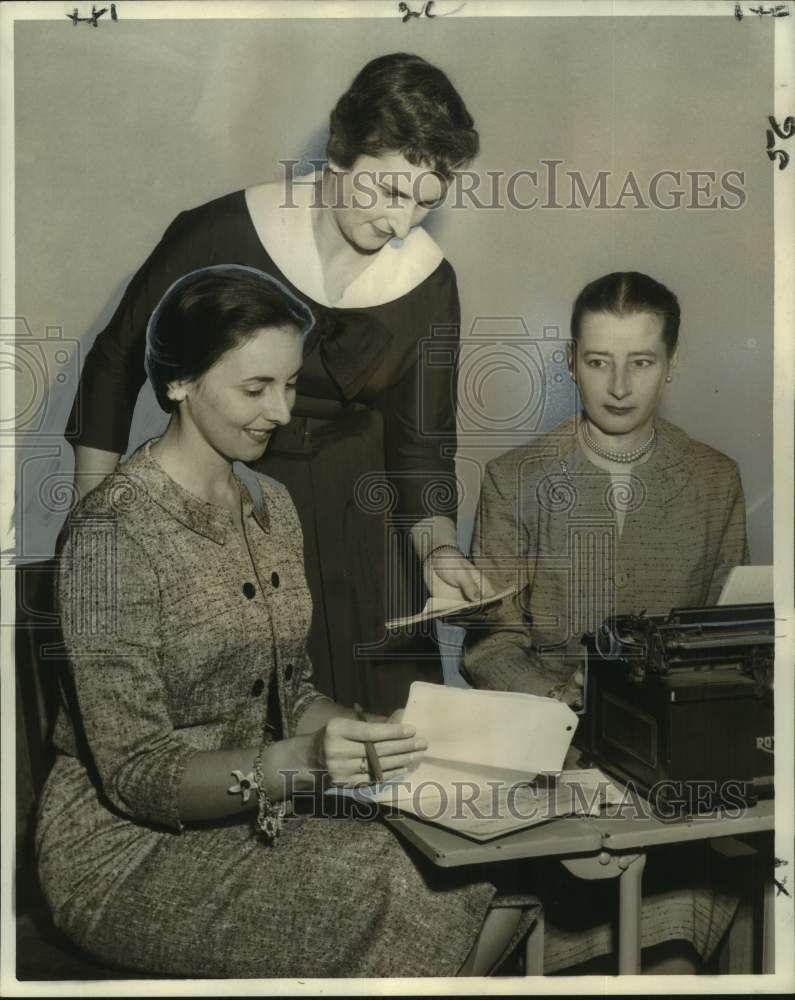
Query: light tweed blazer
[174,628]
[547,523]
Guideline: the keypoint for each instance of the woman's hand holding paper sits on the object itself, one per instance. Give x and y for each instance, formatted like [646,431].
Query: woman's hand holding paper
[450,575]
[340,748]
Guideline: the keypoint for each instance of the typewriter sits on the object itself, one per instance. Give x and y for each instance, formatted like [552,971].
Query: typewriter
[681,706]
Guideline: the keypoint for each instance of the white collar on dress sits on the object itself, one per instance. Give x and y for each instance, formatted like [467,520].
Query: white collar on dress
[284,227]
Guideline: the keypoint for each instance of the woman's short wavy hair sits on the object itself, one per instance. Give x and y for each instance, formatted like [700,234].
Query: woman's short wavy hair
[401,103]
[625,293]
[210,311]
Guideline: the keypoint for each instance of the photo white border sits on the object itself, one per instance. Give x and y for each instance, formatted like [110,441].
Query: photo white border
[784,545]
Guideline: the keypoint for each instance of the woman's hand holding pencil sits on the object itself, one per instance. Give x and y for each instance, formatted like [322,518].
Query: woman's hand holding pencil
[357,751]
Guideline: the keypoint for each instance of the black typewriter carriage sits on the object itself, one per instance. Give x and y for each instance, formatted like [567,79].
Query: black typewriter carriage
[681,705]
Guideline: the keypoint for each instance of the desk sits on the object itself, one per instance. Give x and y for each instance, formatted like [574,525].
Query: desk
[558,838]
[591,848]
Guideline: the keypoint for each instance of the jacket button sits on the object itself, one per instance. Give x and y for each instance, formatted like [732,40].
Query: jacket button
[288,671]
[622,579]
[249,590]
[275,579]
[257,687]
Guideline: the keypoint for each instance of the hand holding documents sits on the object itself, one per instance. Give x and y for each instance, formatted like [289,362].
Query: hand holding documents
[492,761]
[450,608]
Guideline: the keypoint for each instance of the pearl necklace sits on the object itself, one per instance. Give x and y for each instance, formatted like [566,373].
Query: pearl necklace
[623,457]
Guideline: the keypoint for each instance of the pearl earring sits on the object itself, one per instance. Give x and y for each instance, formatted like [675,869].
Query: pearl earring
[669,378]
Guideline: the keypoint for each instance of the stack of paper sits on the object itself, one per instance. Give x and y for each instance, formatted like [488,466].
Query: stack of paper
[491,810]
[450,608]
[493,763]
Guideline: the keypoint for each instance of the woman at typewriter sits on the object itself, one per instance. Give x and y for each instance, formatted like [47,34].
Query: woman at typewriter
[615,511]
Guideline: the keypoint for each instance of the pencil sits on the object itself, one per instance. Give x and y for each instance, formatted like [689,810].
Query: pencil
[374,764]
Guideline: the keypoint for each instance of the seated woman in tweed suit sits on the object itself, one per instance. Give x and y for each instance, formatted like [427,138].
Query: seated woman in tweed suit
[612,512]
[190,702]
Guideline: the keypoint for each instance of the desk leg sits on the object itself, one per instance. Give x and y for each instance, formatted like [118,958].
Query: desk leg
[534,948]
[629,909]
[628,868]
[768,928]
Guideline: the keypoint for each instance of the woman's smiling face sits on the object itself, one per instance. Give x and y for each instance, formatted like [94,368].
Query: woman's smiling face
[246,395]
[381,197]
[620,364]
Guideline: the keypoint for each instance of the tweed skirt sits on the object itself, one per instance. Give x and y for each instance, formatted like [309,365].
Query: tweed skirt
[334,897]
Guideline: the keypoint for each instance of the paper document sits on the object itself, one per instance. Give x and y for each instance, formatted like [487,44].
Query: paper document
[483,812]
[748,585]
[443,607]
[520,734]
[486,749]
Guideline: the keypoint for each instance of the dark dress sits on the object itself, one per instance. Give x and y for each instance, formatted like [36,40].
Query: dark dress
[367,402]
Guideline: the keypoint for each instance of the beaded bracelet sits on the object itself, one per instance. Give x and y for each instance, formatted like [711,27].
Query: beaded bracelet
[269,814]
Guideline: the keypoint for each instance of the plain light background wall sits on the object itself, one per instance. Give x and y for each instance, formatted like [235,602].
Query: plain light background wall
[120,128]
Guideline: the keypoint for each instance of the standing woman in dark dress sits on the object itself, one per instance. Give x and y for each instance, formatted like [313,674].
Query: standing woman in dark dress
[368,457]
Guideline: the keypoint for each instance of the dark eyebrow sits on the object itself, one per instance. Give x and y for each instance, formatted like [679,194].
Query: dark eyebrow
[269,378]
[632,354]
[395,190]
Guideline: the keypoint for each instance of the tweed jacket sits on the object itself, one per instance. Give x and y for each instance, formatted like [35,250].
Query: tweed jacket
[547,524]
[174,627]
